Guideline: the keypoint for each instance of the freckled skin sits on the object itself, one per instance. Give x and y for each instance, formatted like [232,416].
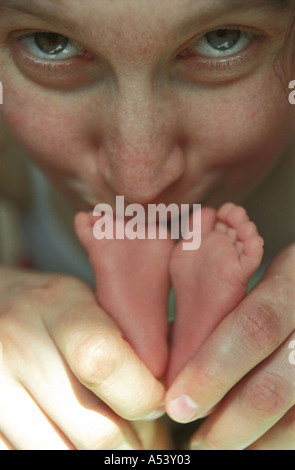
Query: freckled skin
[141,132]
[149,127]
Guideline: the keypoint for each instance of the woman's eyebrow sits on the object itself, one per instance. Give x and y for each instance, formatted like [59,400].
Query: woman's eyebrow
[44,8]
[246,4]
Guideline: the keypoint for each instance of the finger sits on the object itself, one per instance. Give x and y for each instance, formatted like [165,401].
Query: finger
[251,408]
[279,437]
[245,338]
[4,443]
[24,425]
[78,414]
[69,407]
[154,435]
[103,361]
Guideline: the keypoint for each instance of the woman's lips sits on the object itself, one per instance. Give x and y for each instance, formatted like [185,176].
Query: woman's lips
[186,191]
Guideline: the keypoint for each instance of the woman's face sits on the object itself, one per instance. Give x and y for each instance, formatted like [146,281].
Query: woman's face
[158,101]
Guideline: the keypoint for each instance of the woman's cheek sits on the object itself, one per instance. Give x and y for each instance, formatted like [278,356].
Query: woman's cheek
[246,123]
[239,128]
[50,124]
[45,129]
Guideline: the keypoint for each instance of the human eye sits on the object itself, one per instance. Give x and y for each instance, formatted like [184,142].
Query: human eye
[51,58]
[221,54]
[224,42]
[50,46]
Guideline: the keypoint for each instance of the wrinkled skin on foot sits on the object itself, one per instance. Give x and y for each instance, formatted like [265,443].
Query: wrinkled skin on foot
[133,280]
[132,285]
[210,282]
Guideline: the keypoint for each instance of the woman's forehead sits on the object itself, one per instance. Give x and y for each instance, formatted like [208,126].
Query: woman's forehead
[49,6]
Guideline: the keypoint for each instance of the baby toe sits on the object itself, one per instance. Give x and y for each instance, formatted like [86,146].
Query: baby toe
[221,227]
[247,230]
[236,217]
[251,255]
[232,234]
[253,247]
[224,210]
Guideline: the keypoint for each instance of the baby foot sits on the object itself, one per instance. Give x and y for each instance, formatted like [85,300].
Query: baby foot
[132,285]
[210,282]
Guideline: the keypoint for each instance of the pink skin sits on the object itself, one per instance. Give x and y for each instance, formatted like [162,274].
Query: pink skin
[132,285]
[210,282]
[141,114]
[208,132]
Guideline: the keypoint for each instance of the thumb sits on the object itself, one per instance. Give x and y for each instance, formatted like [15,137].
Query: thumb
[101,358]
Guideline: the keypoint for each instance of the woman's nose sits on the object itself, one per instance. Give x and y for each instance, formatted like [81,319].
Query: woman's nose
[141,151]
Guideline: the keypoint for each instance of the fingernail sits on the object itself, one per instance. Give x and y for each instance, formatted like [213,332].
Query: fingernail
[183,409]
[158,413]
[155,414]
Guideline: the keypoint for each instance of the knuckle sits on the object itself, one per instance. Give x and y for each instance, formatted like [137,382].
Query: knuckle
[64,283]
[26,294]
[95,359]
[8,312]
[269,395]
[53,288]
[10,304]
[12,322]
[261,328]
[103,435]
[16,337]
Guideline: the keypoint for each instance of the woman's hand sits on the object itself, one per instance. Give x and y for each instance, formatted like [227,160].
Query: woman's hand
[243,372]
[68,380]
